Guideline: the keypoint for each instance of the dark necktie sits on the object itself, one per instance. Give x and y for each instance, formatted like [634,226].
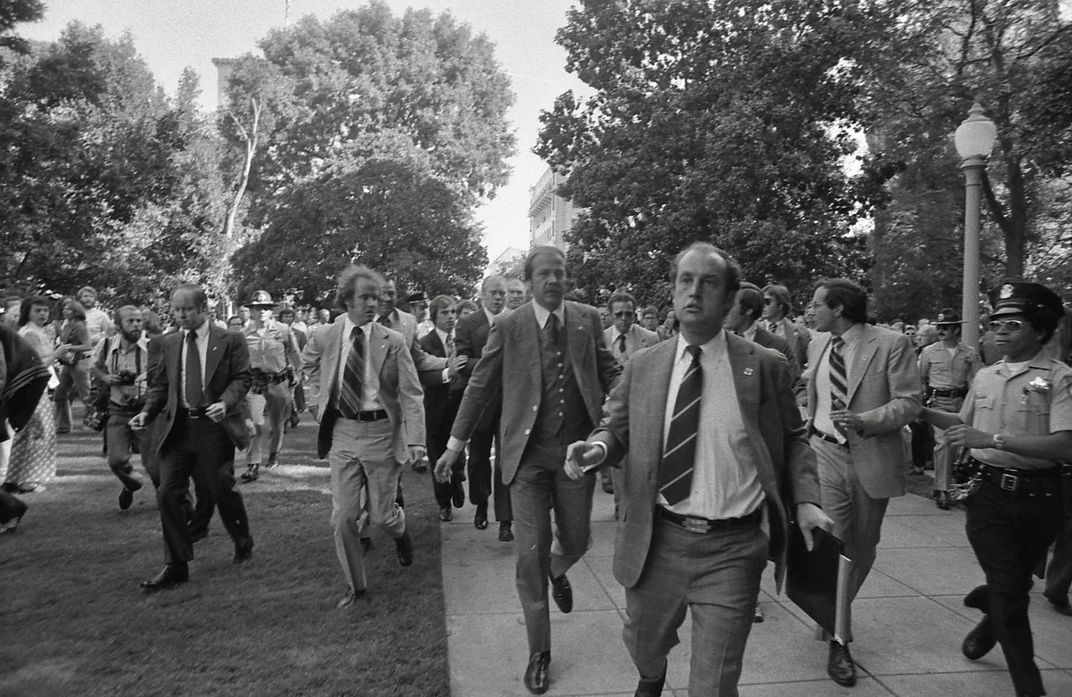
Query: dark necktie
[194,392]
[679,455]
[838,376]
[552,330]
[621,344]
[773,327]
[385,320]
[353,374]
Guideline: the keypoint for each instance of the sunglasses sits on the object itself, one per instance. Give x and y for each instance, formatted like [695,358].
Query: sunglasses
[1012,325]
[624,313]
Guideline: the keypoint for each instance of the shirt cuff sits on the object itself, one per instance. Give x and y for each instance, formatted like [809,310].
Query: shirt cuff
[446,375]
[455,444]
[602,454]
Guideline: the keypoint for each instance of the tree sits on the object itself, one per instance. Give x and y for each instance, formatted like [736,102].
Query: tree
[14,12]
[721,121]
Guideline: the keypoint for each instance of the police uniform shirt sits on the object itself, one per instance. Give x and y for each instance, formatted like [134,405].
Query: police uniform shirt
[1033,398]
[268,346]
[944,369]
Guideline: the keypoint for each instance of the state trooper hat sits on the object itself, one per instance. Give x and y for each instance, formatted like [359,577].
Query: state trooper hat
[1022,298]
[947,316]
[261,298]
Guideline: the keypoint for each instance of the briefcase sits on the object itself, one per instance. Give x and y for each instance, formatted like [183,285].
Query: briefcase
[818,581]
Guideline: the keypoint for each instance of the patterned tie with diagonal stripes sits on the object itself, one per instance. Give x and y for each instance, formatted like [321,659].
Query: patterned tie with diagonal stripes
[838,378]
[353,374]
[679,455]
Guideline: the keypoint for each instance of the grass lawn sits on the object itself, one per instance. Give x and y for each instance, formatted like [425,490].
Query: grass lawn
[76,623]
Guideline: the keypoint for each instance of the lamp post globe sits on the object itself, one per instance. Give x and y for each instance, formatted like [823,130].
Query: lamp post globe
[974,139]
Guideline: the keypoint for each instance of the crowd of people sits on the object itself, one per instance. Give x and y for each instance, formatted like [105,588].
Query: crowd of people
[525,400]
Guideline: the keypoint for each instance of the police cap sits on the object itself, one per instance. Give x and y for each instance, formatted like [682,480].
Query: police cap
[1022,298]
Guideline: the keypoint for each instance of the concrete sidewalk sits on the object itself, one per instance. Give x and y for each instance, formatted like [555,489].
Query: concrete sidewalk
[908,622]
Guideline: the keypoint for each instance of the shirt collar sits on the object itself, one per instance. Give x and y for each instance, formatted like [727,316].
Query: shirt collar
[714,347]
[851,335]
[750,333]
[491,317]
[443,336]
[202,330]
[348,326]
[142,343]
[614,333]
[542,314]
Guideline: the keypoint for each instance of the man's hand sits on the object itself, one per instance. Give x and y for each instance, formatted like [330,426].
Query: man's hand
[138,421]
[416,455]
[455,364]
[963,436]
[809,517]
[846,420]
[444,464]
[216,411]
[579,455]
[110,379]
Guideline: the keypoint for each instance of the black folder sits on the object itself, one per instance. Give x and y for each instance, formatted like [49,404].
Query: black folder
[817,581]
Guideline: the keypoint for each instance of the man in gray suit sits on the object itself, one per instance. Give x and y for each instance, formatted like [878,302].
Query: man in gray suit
[625,337]
[863,388]
[361,377]
[691,532]
[551,354]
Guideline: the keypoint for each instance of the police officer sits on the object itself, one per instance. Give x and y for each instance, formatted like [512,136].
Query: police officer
[275,362]
[1017,421]
[947,368]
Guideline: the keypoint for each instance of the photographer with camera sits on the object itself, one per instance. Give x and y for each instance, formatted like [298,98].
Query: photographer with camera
[120,364]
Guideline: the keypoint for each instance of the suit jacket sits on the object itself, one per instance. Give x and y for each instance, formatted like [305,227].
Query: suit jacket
[406,324]
[400,388]
[441,399]
[799,339]
[885,391]
[635,339]
[470,336]
[227,380]
[778,451]
[512,356]
[23,378]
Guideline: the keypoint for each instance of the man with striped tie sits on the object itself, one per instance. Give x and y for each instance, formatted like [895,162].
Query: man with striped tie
[702,508]
[863,387]
[368,400]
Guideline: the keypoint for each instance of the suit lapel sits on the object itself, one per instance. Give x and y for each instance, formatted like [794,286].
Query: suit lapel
[377,348]
[528,333]
[577,340]
[656,383]
[744,364]
[864,353]
[212,359]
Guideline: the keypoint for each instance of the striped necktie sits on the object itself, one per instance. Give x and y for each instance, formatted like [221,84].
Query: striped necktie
[838,377]
[679,455]
[353,375]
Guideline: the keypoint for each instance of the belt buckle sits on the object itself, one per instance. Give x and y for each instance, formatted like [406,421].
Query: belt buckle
[1008,482]
[697,526]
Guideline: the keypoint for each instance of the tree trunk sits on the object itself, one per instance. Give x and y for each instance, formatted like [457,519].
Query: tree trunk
[250,137]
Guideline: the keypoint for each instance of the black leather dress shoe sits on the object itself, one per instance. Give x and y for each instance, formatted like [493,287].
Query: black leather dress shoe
[252,473]
[839,665]
[979,640]
[243,552]
[171,576]
[1060,605]
[650,688]
[10,525]
[457,495]
[351,598]
[444,514]
[978,598]
[562,592]
[126,498]
[506,533]
[480,520]
[536,674]
[404,549]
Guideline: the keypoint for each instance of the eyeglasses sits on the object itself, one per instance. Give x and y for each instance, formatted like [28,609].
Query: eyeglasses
[621,314]
[1011,325]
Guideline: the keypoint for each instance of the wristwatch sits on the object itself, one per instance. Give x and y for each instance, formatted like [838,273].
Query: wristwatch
[999,441]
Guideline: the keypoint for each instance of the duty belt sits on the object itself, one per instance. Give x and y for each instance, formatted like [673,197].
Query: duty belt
[1030,483]
[954,392]
[261,379]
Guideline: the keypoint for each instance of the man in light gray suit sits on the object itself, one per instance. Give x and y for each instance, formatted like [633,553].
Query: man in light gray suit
[863,388]
[361,377]
[625,337]
[691,530]
[551,354]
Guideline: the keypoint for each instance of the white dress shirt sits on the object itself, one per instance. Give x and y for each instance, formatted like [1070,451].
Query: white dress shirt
[202,352]
[722,486]
[822,421]
[370,382]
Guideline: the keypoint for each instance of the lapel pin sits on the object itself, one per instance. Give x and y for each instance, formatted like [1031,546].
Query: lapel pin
[747,371]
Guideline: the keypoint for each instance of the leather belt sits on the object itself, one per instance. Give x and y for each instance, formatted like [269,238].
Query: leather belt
[829,439]
[1031,483]
[948,391]
[198,413]
[375,415]
[702,526]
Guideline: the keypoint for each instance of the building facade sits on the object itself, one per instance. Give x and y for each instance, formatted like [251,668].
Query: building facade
[550,215]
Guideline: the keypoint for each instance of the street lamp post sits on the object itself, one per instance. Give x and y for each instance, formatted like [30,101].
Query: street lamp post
[974,140]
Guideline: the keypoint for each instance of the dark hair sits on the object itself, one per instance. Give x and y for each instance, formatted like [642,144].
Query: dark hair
[750,298]
[150,322]
[467,305]
[28,304]
[851,297]
[347,283]
[197,292]
[287,311]
[650,310]
[781,296]
[620,297]
[733,269]
[77,308]
[87,289]
[234,317]
[440,302]
[530,260]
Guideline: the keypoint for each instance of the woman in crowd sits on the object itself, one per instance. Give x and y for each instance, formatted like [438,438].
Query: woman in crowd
[33,449]
[72,354]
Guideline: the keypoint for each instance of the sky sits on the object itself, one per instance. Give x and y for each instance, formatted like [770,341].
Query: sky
[171,35]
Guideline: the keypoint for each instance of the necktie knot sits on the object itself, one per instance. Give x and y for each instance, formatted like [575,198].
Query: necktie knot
[694,351]
[838,342]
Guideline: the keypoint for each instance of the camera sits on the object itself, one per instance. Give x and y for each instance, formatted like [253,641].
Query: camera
[126,377]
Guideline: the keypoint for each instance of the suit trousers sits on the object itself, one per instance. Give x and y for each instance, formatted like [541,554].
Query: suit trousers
[201,449]
[437,445]
[485,481]
[1010,535]
[364,483]
[716,576]
[540,487]
[857,517]
[1059,572]
[122,440]
[269,411]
